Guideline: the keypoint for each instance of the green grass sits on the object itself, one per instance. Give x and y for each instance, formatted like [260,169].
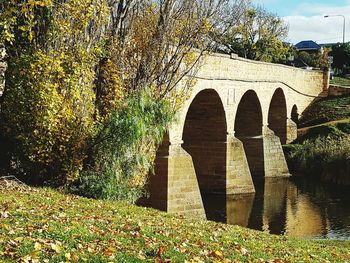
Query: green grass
[340,81]
[46,226]
[325,110]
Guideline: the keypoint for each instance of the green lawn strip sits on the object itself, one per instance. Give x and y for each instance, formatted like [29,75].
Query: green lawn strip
[325,110]
[340,81]
[51,227]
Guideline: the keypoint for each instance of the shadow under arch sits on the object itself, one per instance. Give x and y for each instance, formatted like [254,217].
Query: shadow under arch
[277,117]
[204,138]
[248,129]
[294,115]
[156,187]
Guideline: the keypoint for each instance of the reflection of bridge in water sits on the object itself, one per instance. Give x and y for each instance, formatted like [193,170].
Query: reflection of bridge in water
[229,131]
[278,208]
[298,209]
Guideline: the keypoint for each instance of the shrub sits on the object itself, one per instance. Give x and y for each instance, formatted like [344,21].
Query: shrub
[124,149]
[315,156]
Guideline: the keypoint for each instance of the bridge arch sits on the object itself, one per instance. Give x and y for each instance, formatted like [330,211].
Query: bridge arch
[204,138]
[248,129]
[277,115]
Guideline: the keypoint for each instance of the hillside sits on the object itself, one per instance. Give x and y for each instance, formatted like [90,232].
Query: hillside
[326,110]
[322,149]
[42,225]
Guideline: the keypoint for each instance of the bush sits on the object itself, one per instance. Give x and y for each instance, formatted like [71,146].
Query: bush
[314,157]
[123,152]
[46,130]
[48,112]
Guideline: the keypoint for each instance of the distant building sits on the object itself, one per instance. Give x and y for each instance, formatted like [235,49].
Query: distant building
[309,46]
[304,60]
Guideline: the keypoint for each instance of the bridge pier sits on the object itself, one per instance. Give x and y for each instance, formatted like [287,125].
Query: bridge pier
[183,195]
[275,164]
[238,176]
[176,186]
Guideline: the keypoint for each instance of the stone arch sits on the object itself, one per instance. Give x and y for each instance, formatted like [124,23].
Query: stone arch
[294,115]
[204,138]
[277,116]
[248,129]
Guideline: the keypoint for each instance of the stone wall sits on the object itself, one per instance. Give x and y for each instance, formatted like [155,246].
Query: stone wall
[3,67]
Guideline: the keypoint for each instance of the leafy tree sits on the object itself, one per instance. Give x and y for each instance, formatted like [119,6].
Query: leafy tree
[256,34]
[156,40]
[341,56]
[316,60]
[48,104]
[77,73]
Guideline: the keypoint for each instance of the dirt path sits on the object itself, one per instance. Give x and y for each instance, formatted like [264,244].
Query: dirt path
[302,131]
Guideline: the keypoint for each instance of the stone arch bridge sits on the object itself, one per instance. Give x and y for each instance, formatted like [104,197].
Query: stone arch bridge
[231,130]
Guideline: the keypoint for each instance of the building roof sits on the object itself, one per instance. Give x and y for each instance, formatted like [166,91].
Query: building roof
[307,45]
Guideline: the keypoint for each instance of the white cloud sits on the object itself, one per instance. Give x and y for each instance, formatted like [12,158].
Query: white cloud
[313,26]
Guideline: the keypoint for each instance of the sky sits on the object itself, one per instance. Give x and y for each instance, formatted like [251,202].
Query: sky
[306,19]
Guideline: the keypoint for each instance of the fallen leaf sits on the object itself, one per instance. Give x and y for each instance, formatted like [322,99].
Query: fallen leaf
[56,248]
[161,250]
[37,246]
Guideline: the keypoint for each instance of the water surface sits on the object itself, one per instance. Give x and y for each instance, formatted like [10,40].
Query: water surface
[293,207]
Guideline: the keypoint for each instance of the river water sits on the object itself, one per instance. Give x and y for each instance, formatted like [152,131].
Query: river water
[287,206]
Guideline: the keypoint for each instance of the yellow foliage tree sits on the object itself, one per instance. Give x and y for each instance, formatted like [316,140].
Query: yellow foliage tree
[75,66]
[48,108]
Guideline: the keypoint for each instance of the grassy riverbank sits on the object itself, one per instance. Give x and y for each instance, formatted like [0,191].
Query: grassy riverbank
[323,146]
[341,81]
[44,225]
[326,110]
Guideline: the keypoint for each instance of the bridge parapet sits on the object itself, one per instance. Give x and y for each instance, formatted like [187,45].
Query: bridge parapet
[225,67]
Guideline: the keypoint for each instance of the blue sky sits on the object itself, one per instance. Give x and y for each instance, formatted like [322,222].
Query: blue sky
[306,18]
